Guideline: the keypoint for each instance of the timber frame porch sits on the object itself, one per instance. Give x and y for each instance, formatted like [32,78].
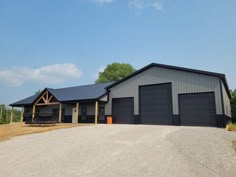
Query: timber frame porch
[47,99]
[78,104]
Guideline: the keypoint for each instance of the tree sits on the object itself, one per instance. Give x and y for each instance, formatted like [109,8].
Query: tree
[5,114]
[233,93]
[115,72]
[4,117]
[233,105]
[38,92]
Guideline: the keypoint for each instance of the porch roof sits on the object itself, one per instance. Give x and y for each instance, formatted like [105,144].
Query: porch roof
[69,94]
[26,101]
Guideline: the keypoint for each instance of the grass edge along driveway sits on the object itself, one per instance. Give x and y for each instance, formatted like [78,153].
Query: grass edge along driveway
[8,131]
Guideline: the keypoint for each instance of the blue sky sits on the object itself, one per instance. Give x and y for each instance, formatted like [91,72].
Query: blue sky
[65,43]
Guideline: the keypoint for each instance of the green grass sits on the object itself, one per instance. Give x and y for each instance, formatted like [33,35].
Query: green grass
[232,127]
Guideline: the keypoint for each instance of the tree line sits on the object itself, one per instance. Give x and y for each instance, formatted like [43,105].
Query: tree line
[233,105]
[5,114]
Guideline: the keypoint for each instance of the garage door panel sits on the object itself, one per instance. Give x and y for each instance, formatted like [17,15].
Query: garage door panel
[198,109]
[123,110]
[156,104]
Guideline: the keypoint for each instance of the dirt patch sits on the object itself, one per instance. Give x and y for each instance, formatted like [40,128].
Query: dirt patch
[16,129]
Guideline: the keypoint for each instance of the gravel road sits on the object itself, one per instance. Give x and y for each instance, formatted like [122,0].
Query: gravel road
[121,150]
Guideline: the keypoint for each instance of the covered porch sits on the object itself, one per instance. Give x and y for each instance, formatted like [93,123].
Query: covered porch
[48,109]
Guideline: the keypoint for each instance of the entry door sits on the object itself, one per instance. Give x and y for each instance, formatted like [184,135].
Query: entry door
[83,113]
[101,115]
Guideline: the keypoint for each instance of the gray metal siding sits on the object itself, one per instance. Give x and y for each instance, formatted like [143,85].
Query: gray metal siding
[104,98]
[182,82]
[226,100]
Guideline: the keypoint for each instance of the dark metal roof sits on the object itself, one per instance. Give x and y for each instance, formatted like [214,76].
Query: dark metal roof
[78,93]
[221,76]
[84,92]
[26,101]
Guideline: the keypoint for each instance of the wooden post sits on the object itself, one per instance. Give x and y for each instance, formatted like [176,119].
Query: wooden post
[33,113]
[60,113]
[22,114]
[77,112]
[11,119]
[96,112]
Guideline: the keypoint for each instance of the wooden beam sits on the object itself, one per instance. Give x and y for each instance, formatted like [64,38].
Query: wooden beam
[41,97]
[60,107]
[45,101]
[44,104]
[33,113]
[47,96]
[22,114]
[11,119]
[77,112]
[96,112]
[50,98]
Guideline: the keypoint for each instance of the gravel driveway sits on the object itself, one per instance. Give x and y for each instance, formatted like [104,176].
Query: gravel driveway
[120,150]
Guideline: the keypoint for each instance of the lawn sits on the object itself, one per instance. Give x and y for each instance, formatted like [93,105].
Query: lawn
[16,129]
[232,127]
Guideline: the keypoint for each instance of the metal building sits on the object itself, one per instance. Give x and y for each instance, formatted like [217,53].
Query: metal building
[156,94]
[169,95]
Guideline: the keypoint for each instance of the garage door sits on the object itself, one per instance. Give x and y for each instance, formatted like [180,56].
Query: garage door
[123,110]
[197,109]
[156,104]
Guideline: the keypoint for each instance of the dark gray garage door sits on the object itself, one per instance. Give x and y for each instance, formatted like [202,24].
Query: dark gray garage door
[123,110]
[197,109]
[156,104]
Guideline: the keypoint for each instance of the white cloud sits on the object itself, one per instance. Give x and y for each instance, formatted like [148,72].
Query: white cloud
[157,6]
[50,74]
[100,69]
[142,4]
[102,2]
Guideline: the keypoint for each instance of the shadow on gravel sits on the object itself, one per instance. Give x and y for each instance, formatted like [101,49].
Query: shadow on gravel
[234,145]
